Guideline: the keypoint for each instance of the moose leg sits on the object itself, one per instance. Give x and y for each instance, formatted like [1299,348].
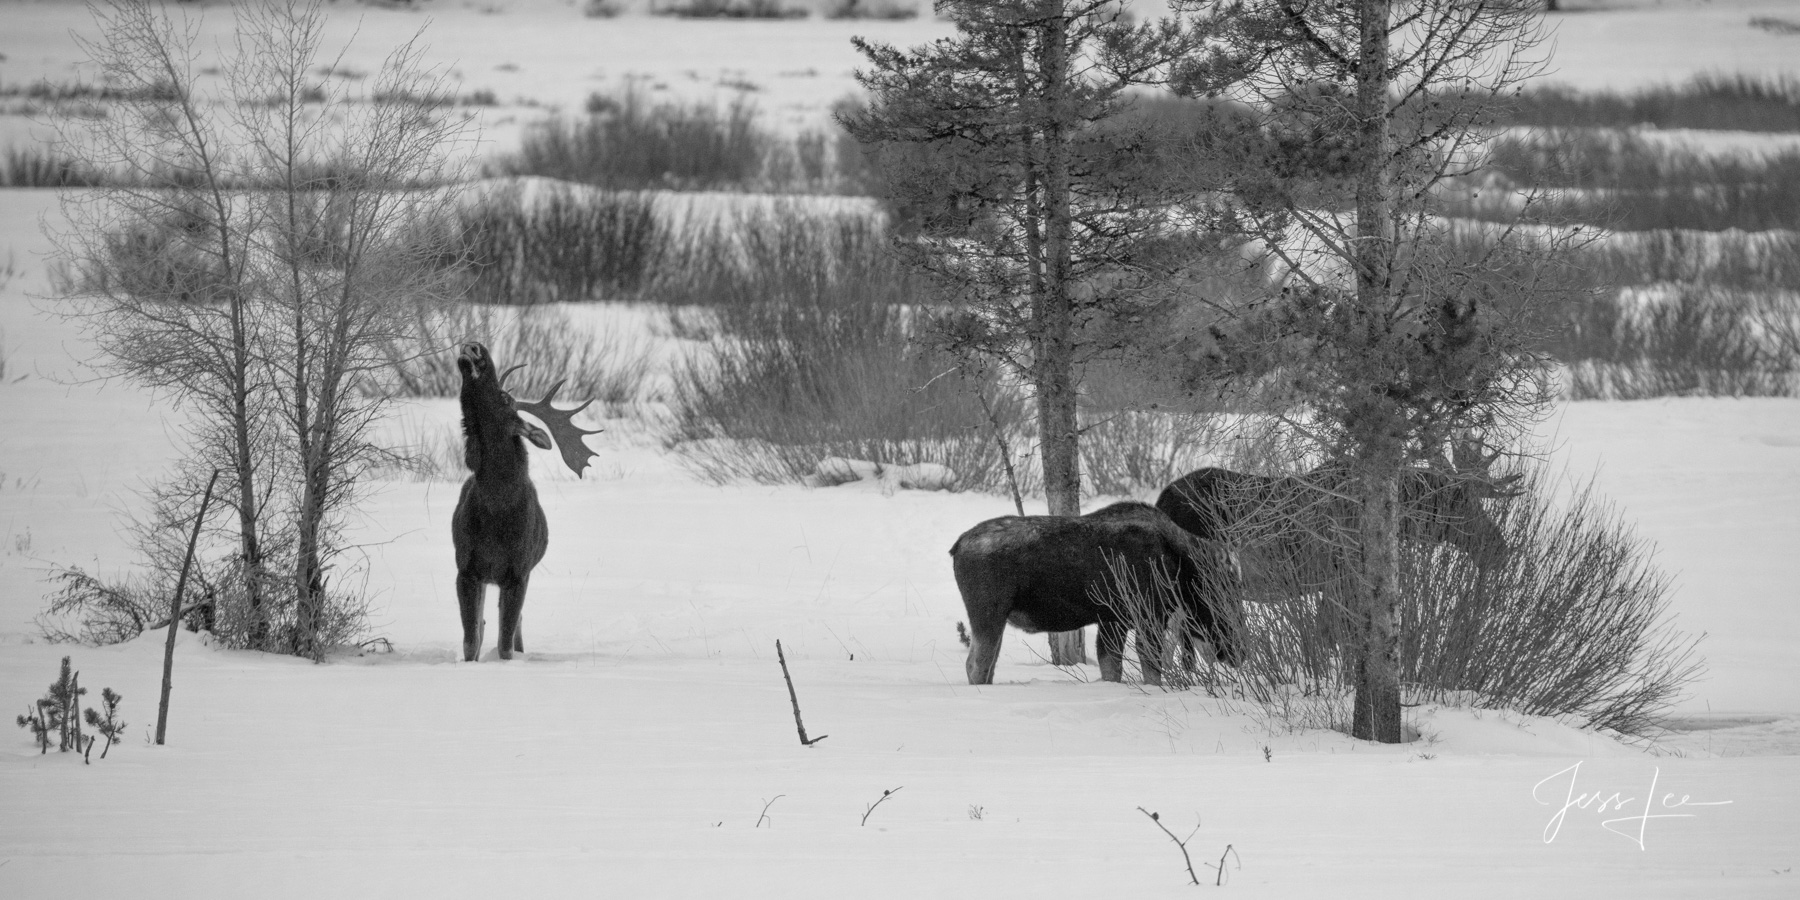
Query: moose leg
[984,649]
[512,601]
[1109,646]
[469,591]
[1150,654]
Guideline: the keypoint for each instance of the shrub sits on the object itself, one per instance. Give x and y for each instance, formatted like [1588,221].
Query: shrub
[626,141]
[1732,102]
[871,9]
[731,9]
[813,356]
[93,611]
[1700,342]
[565,246]
[1619,180]
[1574,623]
[1670,312]
[34,166]
[605,366]
[769,411]
[753,263]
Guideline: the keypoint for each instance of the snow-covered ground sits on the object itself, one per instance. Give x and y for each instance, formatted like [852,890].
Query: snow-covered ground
[633,751]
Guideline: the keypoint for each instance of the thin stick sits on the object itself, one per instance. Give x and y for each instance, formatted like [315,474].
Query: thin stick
[884,796]
[1229,851]
[765,811]
[162,707]
[1178,842]
[795,700]
[1012,478]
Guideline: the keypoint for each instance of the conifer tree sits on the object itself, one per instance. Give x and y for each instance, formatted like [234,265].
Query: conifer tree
[1034,216]
[1389,341]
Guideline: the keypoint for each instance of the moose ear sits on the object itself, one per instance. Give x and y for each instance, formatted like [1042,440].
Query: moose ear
[537,436]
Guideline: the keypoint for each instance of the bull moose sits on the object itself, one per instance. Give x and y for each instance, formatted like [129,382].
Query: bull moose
[499,529]
[1052,573]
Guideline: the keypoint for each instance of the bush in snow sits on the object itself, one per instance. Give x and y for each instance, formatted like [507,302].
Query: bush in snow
[1573,623]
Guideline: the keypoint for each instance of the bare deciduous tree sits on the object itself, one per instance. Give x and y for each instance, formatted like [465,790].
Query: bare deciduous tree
[257,263]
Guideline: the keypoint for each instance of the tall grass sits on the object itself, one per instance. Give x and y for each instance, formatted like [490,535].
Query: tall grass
[628,141]
[1732,102]
[612,368]
[560,245]
[1699,342]
[811,324]
[1617,179]
[35,166]
[730,9]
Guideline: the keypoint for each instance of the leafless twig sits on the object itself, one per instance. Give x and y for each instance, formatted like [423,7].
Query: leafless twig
[1179,842]
[884,796]
[765,811]
[1229,851]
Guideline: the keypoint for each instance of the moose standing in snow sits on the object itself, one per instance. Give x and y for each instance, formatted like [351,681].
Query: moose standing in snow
[1294,521]
[1056,573]
[499,528]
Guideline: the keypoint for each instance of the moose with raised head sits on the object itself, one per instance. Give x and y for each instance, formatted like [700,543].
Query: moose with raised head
[1293,522]
[1055,573]
[499,528]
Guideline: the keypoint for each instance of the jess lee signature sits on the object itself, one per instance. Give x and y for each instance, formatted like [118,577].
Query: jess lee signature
[1600,802]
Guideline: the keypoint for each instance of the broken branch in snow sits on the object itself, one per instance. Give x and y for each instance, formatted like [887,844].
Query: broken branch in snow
[795,700]
[884,796]
[1229,851]
[1178,842]
[765,811]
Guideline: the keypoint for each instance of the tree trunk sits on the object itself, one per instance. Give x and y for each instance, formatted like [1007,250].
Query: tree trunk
[1058,430]
[1376,714]
[1377,706]
[244,467]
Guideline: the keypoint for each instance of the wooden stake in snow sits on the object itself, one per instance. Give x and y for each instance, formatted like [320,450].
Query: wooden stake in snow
[162,707]
[795,700]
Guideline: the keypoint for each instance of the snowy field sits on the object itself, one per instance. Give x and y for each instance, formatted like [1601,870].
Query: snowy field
[636,749]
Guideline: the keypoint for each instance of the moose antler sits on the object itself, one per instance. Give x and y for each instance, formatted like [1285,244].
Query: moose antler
[563,430]
[1469,458]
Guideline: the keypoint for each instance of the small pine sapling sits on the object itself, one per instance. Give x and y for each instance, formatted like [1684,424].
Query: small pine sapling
[59,712]
[33,719]
[108,724]
[61,708]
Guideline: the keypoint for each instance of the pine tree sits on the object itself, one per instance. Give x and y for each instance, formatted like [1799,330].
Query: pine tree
[1393,341]
[1024,205]
[109,725]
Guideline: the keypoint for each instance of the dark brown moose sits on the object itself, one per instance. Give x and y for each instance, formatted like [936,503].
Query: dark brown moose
[1053,573]
[499,529]
[1296,526]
